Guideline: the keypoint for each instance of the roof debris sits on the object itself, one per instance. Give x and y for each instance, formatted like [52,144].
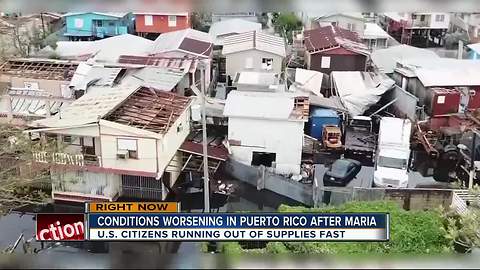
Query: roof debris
[150,109]
[39,69]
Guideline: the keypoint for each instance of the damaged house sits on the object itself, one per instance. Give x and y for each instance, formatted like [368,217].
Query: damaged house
[114,142]
[34,88]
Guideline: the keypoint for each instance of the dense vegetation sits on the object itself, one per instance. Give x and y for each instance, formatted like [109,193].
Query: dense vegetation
[411,232]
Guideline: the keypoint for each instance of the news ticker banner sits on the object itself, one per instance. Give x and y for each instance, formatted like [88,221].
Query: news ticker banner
[163,222]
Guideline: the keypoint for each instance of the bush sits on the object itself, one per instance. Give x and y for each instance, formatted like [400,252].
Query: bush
[420,232]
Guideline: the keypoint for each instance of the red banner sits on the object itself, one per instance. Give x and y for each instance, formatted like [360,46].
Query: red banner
[60,227]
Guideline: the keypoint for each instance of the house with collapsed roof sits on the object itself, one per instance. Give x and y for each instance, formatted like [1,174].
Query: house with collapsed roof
[332,48]
[257,136]
[95,25]
[34,88]
[115,142]
[255,52]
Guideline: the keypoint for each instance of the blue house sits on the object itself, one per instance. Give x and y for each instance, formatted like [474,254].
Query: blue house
[94,25]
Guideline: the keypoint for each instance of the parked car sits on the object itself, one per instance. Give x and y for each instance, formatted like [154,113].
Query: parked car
[342,172]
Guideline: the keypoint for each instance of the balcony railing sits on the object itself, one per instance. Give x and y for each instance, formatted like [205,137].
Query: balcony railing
[66,159]
[102,31]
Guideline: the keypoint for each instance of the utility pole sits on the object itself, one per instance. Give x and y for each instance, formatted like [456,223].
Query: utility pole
[471,173]
[206,182]
[43,25]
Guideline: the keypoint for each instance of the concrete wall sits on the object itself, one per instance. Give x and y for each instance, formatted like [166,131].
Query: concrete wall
[235,62]
[262,179]
[146,150]
[285,138]
[89,183]
[173,139]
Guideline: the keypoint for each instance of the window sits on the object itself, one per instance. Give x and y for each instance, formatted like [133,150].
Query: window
[88,146]
[249,62]
[440,99]
[263,158]
[422,18]
[350,26]
[129,145]
[414,17]
[148,19]
[325,62]
[31,85]
[373,43]
[267,63]
[98,23]
[78,22]
[172,21]
[72,140]
[439,18]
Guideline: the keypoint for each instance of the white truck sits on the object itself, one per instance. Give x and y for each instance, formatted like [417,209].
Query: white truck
[393,153]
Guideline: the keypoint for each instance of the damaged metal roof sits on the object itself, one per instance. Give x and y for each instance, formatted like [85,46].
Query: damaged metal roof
[39,68]
[150,109]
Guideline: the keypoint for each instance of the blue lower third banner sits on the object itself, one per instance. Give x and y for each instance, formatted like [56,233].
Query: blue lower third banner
[221,227]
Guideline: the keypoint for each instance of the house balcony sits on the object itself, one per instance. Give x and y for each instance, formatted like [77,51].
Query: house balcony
[58,158]
[103,31]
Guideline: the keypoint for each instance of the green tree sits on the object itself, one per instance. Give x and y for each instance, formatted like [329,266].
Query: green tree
[20,181]
[286,23]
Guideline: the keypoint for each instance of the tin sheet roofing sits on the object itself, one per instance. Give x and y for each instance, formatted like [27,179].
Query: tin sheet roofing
[39,68]
[374,31]
[254,40]
[150,110]
[219,30]
[259,106]
[386,59]
[186,40]
[328,37]
[188,64]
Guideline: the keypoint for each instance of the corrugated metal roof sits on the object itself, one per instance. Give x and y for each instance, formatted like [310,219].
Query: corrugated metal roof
[105,50]
[359,90]
[386,59]
[157,77]
[259,105]
[165,62]
[218,30]
[328,37]
[172,41]
[374,31]
[254,40]
[468,76]
[89,108]
[87,75]
[23,105]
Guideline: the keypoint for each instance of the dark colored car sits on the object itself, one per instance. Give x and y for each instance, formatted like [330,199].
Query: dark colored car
[341,172]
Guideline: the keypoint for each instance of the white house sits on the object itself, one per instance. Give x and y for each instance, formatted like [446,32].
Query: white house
[253,51]
[267,129]
[115,141]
